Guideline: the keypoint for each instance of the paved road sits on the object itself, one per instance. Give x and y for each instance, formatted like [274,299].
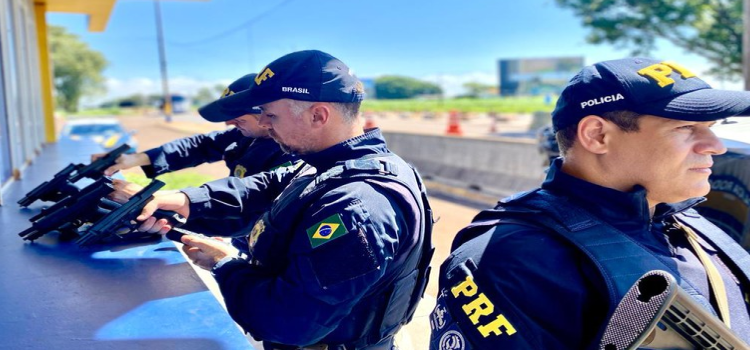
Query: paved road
[451,216]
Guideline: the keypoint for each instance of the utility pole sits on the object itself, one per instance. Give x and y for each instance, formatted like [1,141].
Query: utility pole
[163,64]
[746,43]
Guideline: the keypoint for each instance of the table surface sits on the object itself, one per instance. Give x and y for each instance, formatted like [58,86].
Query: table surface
[56,295]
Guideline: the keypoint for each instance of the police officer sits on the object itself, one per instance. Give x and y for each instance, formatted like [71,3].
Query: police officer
[246,148]
[340,259]
[637,151]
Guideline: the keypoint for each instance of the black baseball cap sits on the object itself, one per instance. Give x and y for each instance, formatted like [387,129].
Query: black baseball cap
[309,75]
[216,111]
[647,86]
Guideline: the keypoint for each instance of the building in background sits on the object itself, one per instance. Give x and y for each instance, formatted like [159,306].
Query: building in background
[536,76]
[369,85]
[26,104]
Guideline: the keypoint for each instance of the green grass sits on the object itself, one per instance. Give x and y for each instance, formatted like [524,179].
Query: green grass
[173,181]
[94,112]
[499,105]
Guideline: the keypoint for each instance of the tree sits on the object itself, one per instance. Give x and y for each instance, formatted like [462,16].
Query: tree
[475,89]
[134,100]
[712,29]
[398,87]
[206,95]
[77,68]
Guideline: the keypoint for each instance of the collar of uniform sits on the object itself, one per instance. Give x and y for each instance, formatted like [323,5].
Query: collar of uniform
[607,203]
[371,142]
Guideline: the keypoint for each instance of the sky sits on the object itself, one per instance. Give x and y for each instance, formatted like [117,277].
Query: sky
[448,42]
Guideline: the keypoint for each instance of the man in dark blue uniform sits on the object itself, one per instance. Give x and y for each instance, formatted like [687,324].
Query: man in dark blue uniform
[247,149]
[546,268]
[340,259]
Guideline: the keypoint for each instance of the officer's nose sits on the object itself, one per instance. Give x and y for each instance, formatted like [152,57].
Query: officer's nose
[264,121]
[709,143]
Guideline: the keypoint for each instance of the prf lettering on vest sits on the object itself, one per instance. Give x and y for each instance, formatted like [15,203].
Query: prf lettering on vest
[479,307]
[263,76]
[660,72]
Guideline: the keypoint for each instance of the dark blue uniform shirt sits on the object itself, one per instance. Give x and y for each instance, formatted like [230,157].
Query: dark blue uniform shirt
[551,294]
[318,285]
[244,156]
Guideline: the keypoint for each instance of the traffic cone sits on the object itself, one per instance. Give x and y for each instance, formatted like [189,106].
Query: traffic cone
[369,121]
[454,128]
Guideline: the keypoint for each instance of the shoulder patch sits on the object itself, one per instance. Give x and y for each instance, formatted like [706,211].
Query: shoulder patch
[258,228]
[452,340]
[327,230]
[240,171]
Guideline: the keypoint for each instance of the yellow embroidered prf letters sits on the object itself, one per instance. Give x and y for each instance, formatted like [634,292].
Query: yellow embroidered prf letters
[267,73]
[495,327]
[467,288]
[481,306]
[226,93]
[660,72]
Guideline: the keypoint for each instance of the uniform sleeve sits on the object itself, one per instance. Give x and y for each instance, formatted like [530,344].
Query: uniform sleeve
[519,288]
[341,249]
[190,151]
[232,197]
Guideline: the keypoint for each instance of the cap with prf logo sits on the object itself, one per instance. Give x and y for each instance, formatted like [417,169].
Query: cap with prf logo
[645,86]
[309,75]
[215,112]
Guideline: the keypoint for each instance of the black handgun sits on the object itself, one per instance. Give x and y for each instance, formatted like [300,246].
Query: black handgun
[71,212]
[657,314]
[53,190]
[96,169]
[120,221]
[62,184]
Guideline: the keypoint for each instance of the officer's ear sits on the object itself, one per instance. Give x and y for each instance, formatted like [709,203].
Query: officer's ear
[594,133]
[321,113]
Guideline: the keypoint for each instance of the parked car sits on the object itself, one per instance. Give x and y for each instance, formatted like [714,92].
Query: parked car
[728,204]
[107,132]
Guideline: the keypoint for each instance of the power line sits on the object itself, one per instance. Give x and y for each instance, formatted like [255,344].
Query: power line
[233,29]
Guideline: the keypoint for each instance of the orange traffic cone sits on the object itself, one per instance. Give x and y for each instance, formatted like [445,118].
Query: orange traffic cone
[454,128]
[369,122]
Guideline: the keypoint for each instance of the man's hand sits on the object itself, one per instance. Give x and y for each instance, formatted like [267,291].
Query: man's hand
[123,190]
[124,161]
[167,200]
[206,252]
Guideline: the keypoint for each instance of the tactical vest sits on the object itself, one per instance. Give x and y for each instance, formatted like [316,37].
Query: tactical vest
[620,259]
[382,312]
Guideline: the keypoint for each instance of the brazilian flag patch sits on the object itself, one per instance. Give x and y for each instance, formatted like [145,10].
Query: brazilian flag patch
[327,230]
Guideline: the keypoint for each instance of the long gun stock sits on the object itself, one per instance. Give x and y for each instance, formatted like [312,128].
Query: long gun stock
[71,212]
[657,314]
[124,216]
[62,184]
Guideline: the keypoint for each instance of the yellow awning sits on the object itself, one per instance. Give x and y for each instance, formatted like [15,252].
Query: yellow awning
[98,11]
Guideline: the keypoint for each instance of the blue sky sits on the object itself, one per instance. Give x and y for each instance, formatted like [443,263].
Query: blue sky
[445,41]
